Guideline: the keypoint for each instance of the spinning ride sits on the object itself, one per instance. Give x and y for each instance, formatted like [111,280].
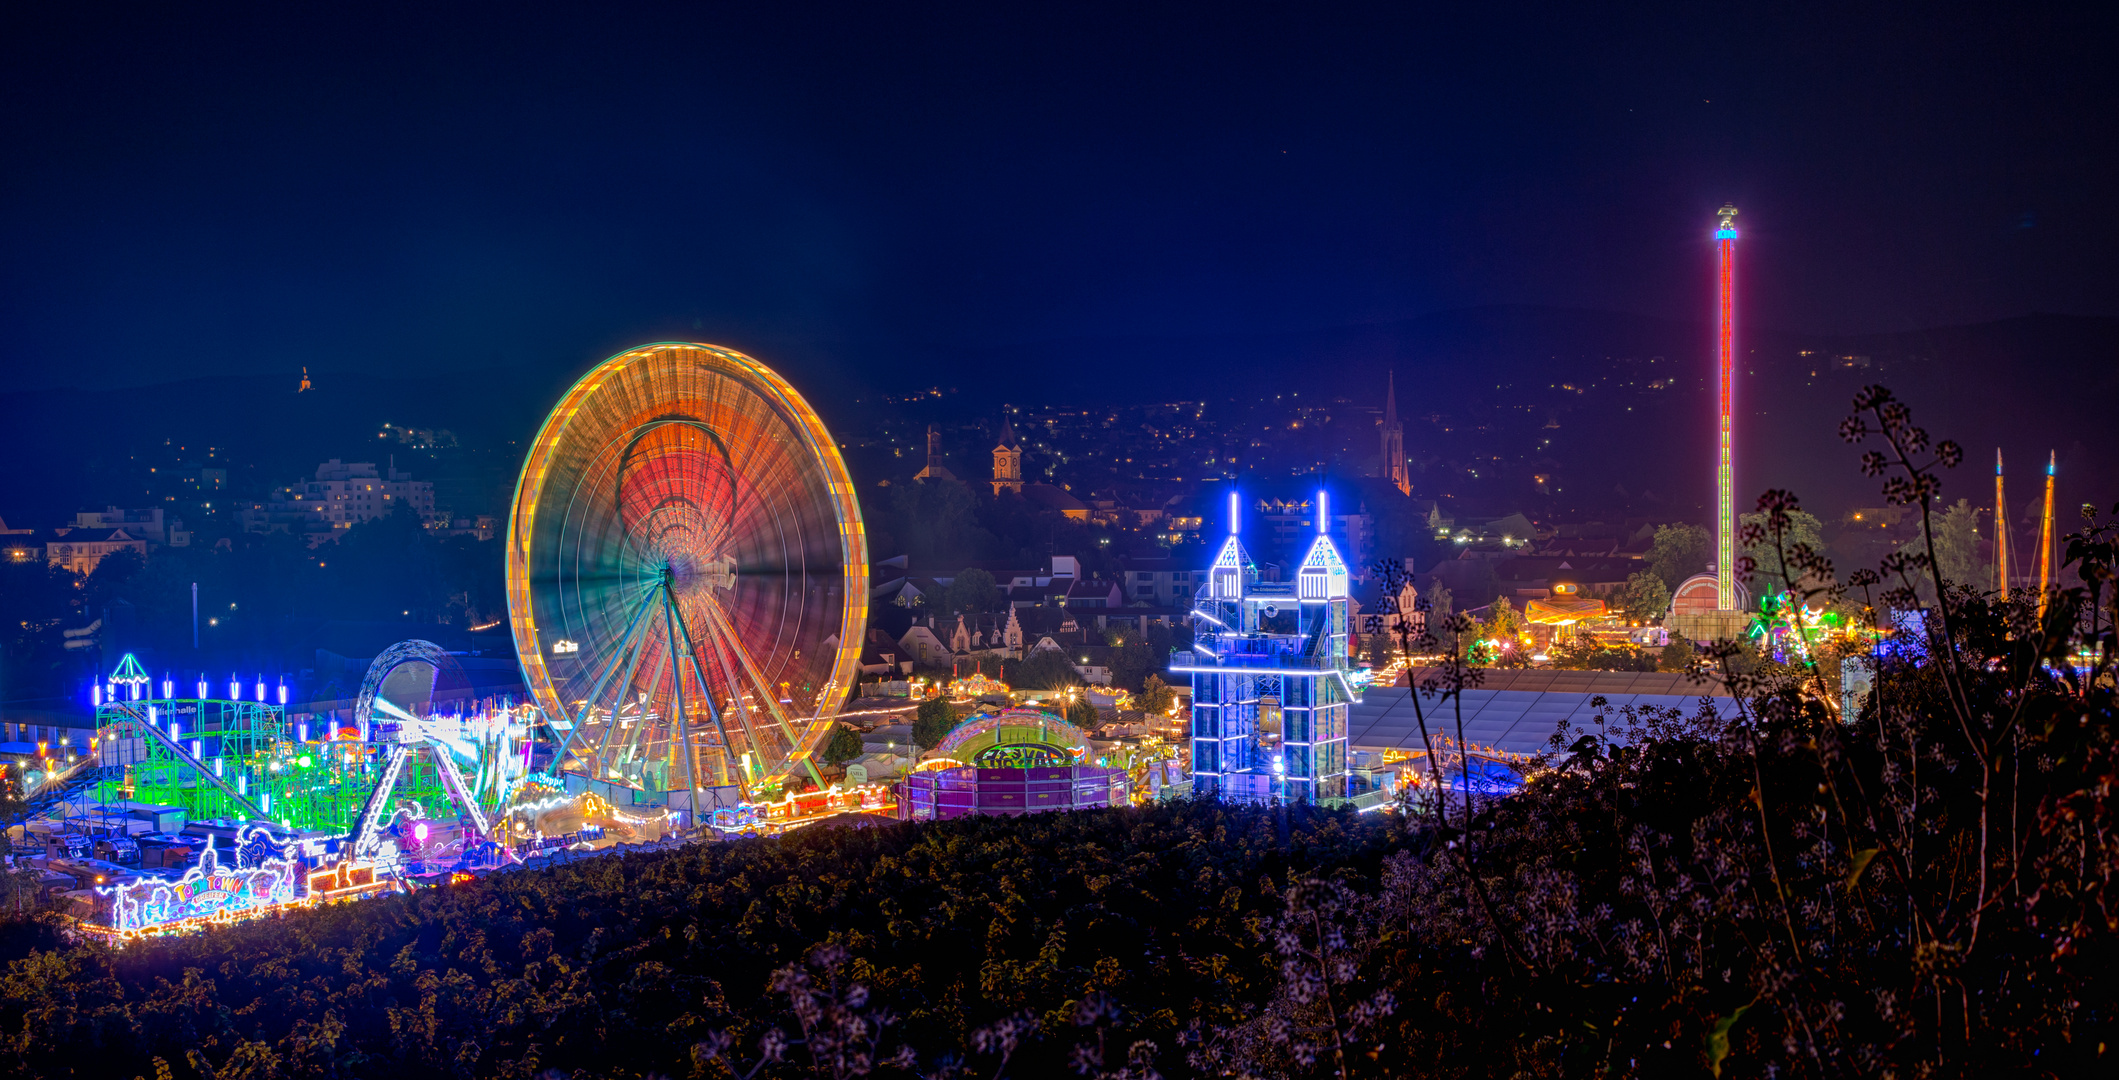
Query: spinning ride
[687,574]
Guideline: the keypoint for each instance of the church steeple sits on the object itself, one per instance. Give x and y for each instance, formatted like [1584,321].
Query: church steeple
[1393,435]
[1007,461]
[934,469]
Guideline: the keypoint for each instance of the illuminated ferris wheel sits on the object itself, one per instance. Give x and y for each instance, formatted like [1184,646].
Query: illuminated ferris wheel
[687,574]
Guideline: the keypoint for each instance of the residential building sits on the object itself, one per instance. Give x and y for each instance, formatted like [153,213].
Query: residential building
[1161,582]
[1544,577]
[1290,521]
[1055,498]
[147,524]
[342,495]
[1094,594]
[79,550]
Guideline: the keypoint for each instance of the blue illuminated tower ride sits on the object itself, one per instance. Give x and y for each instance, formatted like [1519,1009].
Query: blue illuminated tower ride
[1270,675]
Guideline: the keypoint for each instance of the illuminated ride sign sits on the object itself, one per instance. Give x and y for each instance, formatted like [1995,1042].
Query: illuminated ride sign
[206,894]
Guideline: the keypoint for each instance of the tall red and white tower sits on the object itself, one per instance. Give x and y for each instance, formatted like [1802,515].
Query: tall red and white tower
[1725,463]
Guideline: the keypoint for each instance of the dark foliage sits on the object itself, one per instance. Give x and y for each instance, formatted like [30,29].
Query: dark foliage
[933,722]
[843,746]
[631,965]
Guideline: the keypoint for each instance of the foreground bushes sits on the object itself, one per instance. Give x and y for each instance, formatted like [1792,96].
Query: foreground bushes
[617,966]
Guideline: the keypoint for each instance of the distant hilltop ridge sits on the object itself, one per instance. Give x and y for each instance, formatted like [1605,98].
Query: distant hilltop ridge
[2028,385]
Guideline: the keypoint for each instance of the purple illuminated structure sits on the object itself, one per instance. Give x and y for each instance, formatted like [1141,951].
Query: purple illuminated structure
[1019,761]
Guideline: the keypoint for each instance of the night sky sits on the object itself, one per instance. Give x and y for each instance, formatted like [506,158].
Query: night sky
[190,192]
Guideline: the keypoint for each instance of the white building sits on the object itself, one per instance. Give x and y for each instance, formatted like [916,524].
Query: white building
[342,495]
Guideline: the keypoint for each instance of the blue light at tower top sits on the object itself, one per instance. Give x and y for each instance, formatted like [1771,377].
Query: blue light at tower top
[1235,507]
[1324,515]
[1725,233]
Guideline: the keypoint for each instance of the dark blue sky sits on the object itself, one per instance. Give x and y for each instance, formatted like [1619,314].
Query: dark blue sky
[198,193]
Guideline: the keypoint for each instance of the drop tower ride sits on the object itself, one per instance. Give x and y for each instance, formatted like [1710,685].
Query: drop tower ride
[1725,464]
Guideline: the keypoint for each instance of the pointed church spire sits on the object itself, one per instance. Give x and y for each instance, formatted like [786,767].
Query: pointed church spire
[1393,434]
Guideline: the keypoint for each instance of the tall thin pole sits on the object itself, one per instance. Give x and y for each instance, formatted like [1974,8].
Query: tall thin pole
[194,616]
[2045,536]
[2001,532]
[1725,463]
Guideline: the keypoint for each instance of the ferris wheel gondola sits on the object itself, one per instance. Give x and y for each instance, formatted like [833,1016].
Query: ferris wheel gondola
[686,573]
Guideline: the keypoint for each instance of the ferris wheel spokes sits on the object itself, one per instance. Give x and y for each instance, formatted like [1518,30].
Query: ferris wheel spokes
[724,629]
[617,656]
[706,693]
[683,718]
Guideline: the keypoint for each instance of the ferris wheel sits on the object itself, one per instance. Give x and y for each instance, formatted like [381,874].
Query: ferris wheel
[687,574]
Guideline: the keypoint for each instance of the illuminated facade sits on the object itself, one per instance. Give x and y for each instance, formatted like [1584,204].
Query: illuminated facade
[1017,761]
[1008,461]
[1725,463]
[1271,678]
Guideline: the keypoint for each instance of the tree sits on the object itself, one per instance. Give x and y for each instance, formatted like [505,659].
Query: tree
[1133,663]
[972,591]
[1504,626]
[1082,714]
[1047,670]
[1676,656]
[933,722]
[1440,607]
[1680,551]
[1377,650]
[1801,530]
[937,521]
[1155,697]
[843,746]
[111,575]
[1957,560]
[1645,597]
